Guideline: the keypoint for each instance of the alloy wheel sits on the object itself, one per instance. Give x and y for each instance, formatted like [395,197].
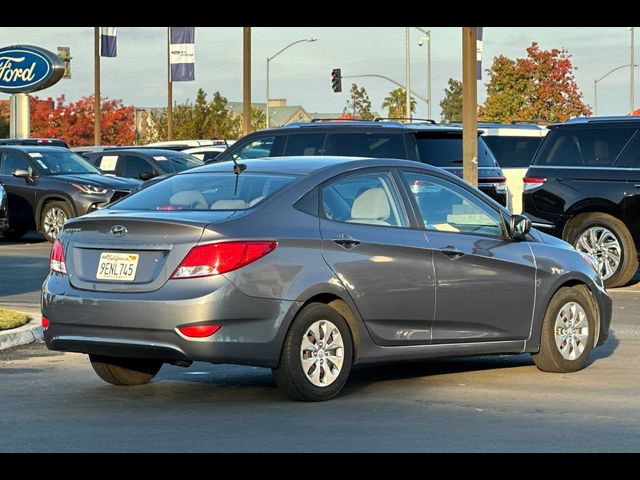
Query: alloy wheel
[54,219]
[571,330]
[604,246]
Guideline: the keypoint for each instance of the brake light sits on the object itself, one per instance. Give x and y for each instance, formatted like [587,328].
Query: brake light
[45,322]
[216,258]
[57,263]
[532,182]
[199,331]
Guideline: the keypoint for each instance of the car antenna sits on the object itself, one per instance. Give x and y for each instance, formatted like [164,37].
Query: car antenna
[238,168]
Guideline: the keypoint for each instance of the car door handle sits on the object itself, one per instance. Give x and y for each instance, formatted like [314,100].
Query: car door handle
[452,252]
[346,241]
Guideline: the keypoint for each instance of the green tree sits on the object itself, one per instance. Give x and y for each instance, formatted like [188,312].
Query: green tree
[358,105]
[4,127]
[396,103]
[541,86]
[258,119]
[451,104]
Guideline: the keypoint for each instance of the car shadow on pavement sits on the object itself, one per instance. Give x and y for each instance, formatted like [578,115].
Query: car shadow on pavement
[31,238]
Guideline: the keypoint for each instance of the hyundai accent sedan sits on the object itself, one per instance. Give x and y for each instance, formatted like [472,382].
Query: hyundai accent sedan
[310,266]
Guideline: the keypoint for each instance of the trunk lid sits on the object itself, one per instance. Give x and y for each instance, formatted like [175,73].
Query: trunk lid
[154,243]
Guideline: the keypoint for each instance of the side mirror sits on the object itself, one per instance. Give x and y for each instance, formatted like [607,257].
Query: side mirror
[519,226]
[20,173]
[146,176]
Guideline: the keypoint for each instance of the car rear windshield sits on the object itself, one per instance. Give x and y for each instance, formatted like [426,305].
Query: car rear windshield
[61,162]
[174,163]
[583,147]
[513,151]
[206,191]
[445,150]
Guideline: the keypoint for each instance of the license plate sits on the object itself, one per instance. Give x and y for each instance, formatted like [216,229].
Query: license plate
[117,266]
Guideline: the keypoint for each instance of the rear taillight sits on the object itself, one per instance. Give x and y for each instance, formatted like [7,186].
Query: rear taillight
[199,331]
[57,263]
[529,183]
[499,183]
[215,258]
[45,322]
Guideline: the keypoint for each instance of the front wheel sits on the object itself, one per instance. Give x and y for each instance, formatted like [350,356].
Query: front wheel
[317,355]
[125,371]
[54,214]
[568,331]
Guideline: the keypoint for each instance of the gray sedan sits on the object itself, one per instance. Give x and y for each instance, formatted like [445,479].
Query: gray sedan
[310,266]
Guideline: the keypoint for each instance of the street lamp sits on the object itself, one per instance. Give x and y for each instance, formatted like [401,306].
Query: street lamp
[421,40]
[271,58]
[631,81]
[595,86]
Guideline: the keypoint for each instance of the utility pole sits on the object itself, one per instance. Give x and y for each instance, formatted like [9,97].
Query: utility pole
[408,68]
[631,64]
[469,106]
[96,79]
[246,80]
[169,88]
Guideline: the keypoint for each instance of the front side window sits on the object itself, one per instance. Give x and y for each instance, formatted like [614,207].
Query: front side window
[447,207]
[206,191]
[131,166]
[177,162]
[10,162]
[258,148]
[582,147]
[368,198]
[375,145]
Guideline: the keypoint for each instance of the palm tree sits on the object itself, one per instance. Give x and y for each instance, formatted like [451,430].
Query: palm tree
[396,103]
[258,119]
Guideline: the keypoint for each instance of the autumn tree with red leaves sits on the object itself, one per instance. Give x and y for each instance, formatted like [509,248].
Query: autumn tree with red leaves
[540,87]
[73,122]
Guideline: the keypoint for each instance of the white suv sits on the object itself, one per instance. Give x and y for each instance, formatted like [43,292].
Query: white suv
[514,146]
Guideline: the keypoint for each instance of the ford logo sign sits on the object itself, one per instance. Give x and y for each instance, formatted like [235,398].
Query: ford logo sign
[25,68]
[118,231]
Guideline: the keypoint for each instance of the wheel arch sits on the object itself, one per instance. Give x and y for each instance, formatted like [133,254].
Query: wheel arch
[54,197]
[586,207]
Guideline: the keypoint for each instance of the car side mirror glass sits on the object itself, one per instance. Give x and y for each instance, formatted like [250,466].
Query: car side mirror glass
[21,173]
[519,226]
[146,175]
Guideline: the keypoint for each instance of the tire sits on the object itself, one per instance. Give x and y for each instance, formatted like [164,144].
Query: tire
[628,264]
[550,358]
[125,371]
[52,214]
[290,374]
[14,233]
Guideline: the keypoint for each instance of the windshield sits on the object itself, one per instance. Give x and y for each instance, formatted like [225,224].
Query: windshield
[61,162]
[174,163]
[205,191]
[513,152]
[445,150]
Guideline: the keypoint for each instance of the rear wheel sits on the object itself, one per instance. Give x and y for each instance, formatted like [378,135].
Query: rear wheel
[568,331]
[54,214]
[125,371]
[317,355]
[610,242]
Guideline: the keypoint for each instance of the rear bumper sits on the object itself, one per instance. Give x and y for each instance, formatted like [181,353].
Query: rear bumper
[144,325]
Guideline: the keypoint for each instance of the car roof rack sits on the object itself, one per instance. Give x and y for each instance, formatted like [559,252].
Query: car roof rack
[338,119]
[426,120]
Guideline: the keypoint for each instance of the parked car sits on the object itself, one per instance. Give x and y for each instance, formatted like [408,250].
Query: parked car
[48,185]
[141,163]
[206,154]
[52,142]
[184,144]
[584,187]
[310,266]
[4,209]
[425,142]
[514,146]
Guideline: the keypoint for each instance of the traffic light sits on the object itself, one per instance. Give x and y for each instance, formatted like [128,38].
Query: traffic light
[336,80]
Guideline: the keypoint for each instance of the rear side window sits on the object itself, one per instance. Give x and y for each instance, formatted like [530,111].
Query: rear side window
[376,145]
[584,147]
[513,152]
[206,191]
[445,150]
[305,145]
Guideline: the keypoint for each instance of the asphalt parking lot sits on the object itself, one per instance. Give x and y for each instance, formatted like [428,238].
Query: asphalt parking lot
[54,402]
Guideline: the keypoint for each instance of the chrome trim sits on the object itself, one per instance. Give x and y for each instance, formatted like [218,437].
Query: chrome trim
[542,225]
[566,167]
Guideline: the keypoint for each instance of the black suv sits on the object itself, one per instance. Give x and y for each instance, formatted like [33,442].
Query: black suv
[48,185]
[584,187]
[437,145]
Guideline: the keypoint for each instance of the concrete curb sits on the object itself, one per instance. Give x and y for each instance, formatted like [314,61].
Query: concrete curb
[29,333]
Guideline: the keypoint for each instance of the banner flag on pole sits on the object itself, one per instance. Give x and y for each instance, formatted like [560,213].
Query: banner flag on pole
[479,54]
[182,53]
[108,43]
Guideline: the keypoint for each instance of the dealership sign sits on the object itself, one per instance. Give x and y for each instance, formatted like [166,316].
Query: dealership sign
[25,68]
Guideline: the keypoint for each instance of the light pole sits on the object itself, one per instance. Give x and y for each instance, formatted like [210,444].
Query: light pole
[271,58]
[421,40]
[408,68]
[632,63]
[595,85]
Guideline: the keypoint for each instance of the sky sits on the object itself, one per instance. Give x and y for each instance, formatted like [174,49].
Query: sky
[302,74]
